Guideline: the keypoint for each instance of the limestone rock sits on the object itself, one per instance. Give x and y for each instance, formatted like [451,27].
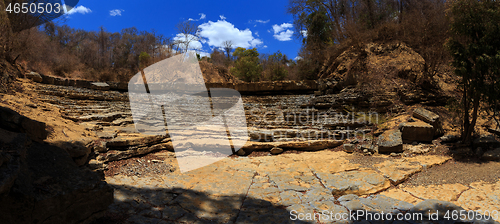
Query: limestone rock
[417,149]
[125,140]
[362,182]
[99,86]
[349,148]
[35,77]
[493,155]
[417,131]
[430,118]
[13,121]
[276,150]
[47,186]
[425,115]
[390,141]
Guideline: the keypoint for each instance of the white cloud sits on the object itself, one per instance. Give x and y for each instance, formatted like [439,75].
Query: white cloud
[194,42]
[282,32]
[298,58]
[202,16]
[222,17]
[262,21]
[218,32]
[278,28]
[304,33]
[116,12]
[284,36]
[79,9]
[265,46]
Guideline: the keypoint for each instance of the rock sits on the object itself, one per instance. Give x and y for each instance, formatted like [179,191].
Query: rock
[99,86]
[430,118]
[492,155]
[356,182]
[486,142]
[35,77]
[13,121]
[426,116]
[115,155]
[390,141]
[276,151]
[397,170]
[47,186]
[106,134]
[125,141]
[78,150]
[100,117]
[417,131]
[450,138]
[100,147]
[349,148]
[370,148]
[417,149]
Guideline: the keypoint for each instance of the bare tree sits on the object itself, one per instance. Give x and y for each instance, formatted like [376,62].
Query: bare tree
[228,47]
[189,32]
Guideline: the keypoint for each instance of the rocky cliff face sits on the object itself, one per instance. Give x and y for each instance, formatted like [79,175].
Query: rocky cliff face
[381,69]
[40,183]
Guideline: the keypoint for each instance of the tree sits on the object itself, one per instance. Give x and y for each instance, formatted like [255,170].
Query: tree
[228,47]
[475,48]
[188,31]
[247,65]
[277,66]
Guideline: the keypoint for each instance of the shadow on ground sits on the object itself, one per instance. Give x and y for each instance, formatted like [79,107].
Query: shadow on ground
[177,205]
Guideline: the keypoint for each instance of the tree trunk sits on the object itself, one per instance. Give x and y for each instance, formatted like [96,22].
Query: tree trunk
[468,134]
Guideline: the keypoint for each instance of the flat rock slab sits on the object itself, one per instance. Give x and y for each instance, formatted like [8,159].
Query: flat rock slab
[131,140]
[273,189]
[355,182]
[99,86]
[399,170]
[426,116]
[417,131]
[390,141]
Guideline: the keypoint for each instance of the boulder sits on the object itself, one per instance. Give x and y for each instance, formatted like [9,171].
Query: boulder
[429,118]
[417,131]
[390,141]
[349,148]
[35,77]
[492,155]
[13,121]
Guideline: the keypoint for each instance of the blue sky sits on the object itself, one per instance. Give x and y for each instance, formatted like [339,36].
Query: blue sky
[264,25]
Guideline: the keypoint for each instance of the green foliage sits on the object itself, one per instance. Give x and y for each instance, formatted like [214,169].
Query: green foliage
[144,59]
[475,48]
[318,28]
[247,65]
[278,66]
